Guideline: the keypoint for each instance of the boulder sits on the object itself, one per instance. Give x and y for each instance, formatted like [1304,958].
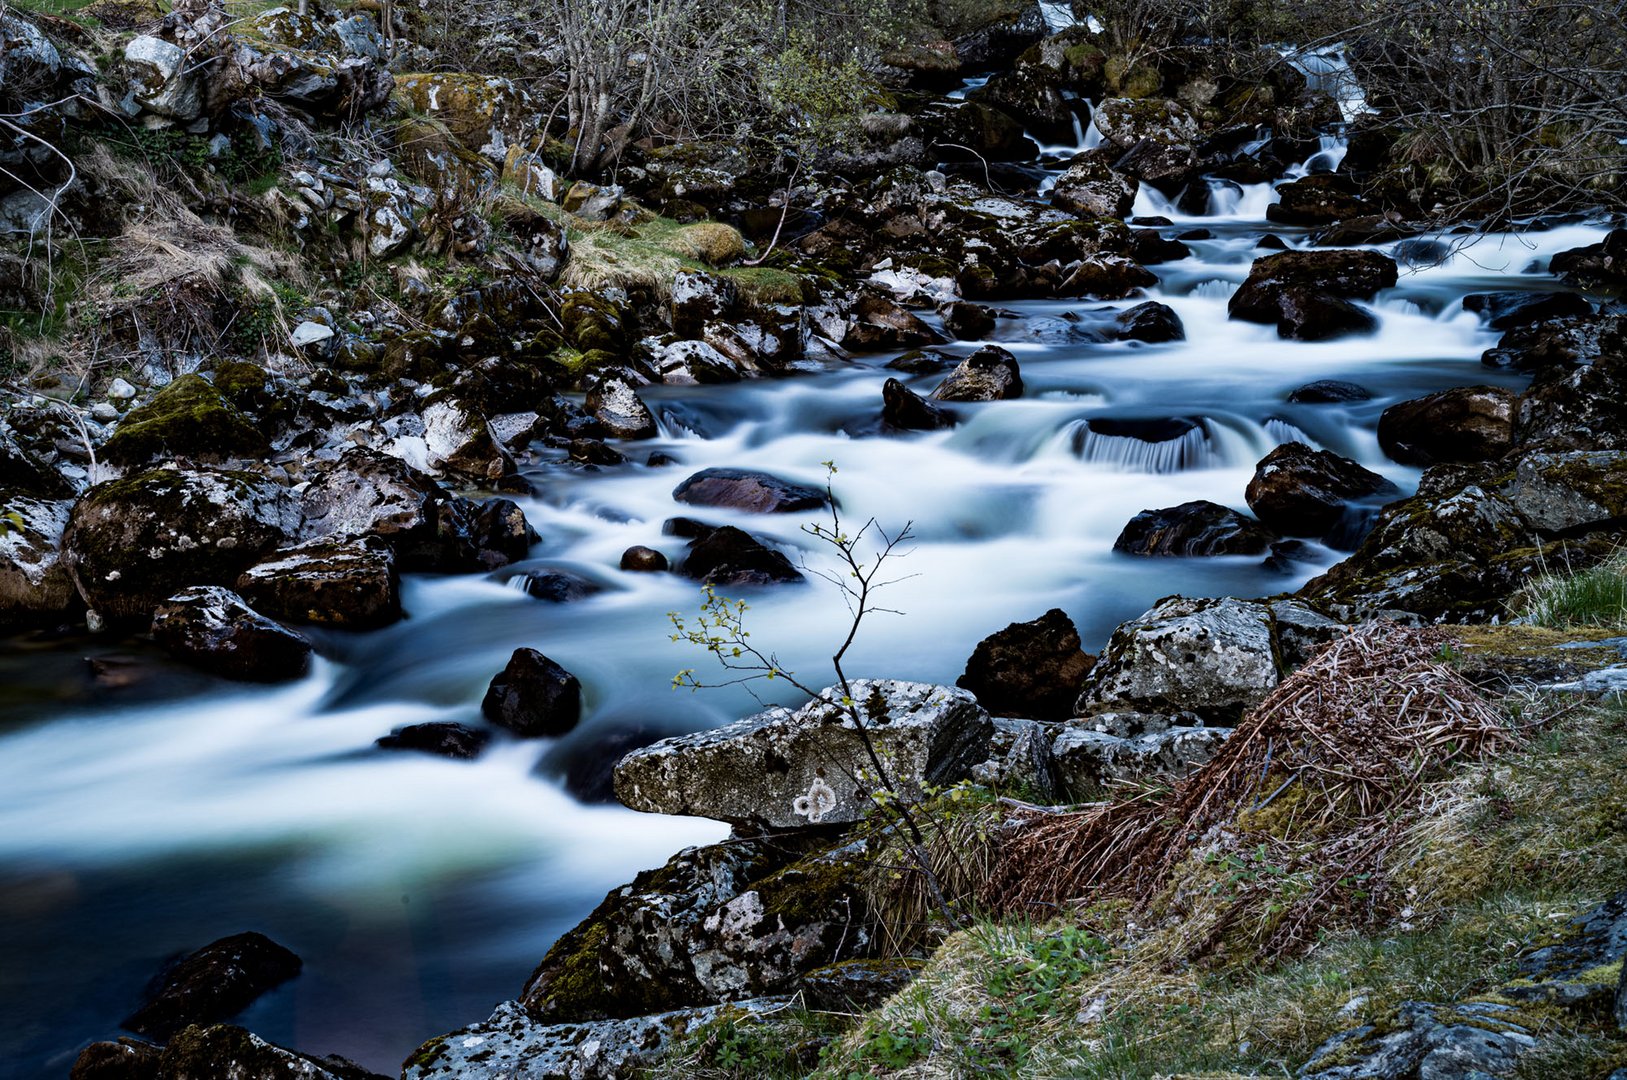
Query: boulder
[880,323]
[131,543]
[744,489]
[1297,491]
[165,82]
[556,586]
[1126,122]
[1579,409]
[1562,342]
[441,738]
[1106,277]
[731,557]
[1209,658]
[21,471]
[232,1053]
[1600,266]
[127,1059]
[1467,423]
[1198,528]
[1151,322]
[1507,310]
[1089,760]
[622,414]
[1090,188]
[644,560]
[1320,199]
[1029,669]
[1473,1039]
[989,374]
[352,585]
[35,584]
[698,298]
[685,363]
[458,440]
[1304,292]
[585,764]
[1329,392]
[188,419]
[784,769]
[968,322]
[212,984]
[904,410]
[533,696]
[214,629]
[1305,314]
[1020,760]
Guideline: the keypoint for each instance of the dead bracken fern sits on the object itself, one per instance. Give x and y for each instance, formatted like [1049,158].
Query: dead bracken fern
[1304,801]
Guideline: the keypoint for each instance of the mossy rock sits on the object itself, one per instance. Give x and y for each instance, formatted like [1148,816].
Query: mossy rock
[594,324]
[428,150]
[1131,79]
[477,109]
[189,418]
[711,242]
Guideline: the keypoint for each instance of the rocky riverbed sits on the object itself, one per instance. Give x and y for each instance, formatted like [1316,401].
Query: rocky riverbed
[338,541]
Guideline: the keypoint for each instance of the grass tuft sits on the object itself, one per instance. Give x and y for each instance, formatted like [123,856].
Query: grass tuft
[1594,598]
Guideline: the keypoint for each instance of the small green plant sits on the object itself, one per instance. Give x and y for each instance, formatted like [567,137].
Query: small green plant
[1595,598]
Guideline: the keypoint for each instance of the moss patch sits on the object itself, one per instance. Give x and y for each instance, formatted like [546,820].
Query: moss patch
[189,418]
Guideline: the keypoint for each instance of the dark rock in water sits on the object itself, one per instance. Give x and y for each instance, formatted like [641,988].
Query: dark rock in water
[1151,322]
[1151,220]
[620,411]
[660,460]
[351,585]
[1596,266]
[441,738]
[856,986]
[905,410]
[727,556]
[1191,529]
[232,1053]
[744,489]
[595,452]
[880,323]
[1303,492]
[687,528]
[1195,234]
[698,298]
[1506,310]
[1329,392]
[218,981]
[1164,429]
[1416,253]
[1092,189]
[921,363]
[1150,248]
[1271,242]
[132,543]
[1287,554]
[586,764]
[1562,342]
[989,374]
[1468,423]
[1030,669]
[1318,200]
[644,560]
[127,1059]
[968,322]
[557,586]
[533,696]
[1308,315]
[214,629]
[1106,277]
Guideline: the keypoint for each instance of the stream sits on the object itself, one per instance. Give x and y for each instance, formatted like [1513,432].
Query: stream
[145,810]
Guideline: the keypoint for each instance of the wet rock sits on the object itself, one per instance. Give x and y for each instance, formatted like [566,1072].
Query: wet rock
[218,981]
[1150,248]
[1020,760]
[512,1044]
[698,298]
[968,322]
[880,323]
[352,585]
[1467,423]
[132,543]
[595,453]
[1580,409]
[556,586]
[441,738]
[1595,266]
[730,557]
[1088,760]
[1090,187]
[35,584]
[1308,315]
[744,489]
[1320,199]
[1127,122]
[1151,322]
[231,1053]
[644,560]
[1106,277]
[1029,669]
[533,696]
[1563,342]
[623,415]
[904,410]
[1305,292]
[458,440]
[1199,528]
[585,764]
[1298,491]
[921,363]
[21,471]
[1506,310]
[214,629]
[1329,392]
[127,1059]
[989,374]
[187,419]
[782,769]
[1209,658]
[688,362]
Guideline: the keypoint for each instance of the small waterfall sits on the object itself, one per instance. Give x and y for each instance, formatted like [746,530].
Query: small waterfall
[1058,15]
[1328,69]
[1281,432]
[1132,446]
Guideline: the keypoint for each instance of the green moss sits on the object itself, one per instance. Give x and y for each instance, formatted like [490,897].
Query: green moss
[593,323]
[189,418]
[764,285]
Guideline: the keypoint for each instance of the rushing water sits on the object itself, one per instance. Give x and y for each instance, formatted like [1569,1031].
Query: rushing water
[140,820]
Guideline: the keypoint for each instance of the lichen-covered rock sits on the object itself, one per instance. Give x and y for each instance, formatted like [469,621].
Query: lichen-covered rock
[880,323]
[1298,491]
[685,363]
[217,981]
[351,584]
[456,439]
[511,1044]
[132,543]
[618,408]
[698,298]
[1560,342]
[533,696]
[1090,187]
[34,580]
[213,628]
[1466,423]
[165,83]
[486,113]
[1029,669]
[1199,528]
[1106,277]
[1582,408]
[989,374]
[1320,199]
[188,419]
[1088,760]
[1020,760]
[1210,658]
[1124,122]
[1595,266]
[783,769]
[1426,1040]
[745,489]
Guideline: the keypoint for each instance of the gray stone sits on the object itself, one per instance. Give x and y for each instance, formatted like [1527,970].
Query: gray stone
[214,629]
[164,81]
[34,581]
[783,769]
[1020,760]
[624,416]
[1090,187]
[351,584]
[1088,760]
[989,374]
[1428,1042]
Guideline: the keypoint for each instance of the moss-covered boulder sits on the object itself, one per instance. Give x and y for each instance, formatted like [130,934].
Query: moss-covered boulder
[131,543]
[189,419]
[482,112]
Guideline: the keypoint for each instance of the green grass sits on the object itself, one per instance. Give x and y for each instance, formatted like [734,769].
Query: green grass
[1592,598]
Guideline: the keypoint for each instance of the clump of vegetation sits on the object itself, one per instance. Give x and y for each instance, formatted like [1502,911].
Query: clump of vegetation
[1594,598]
